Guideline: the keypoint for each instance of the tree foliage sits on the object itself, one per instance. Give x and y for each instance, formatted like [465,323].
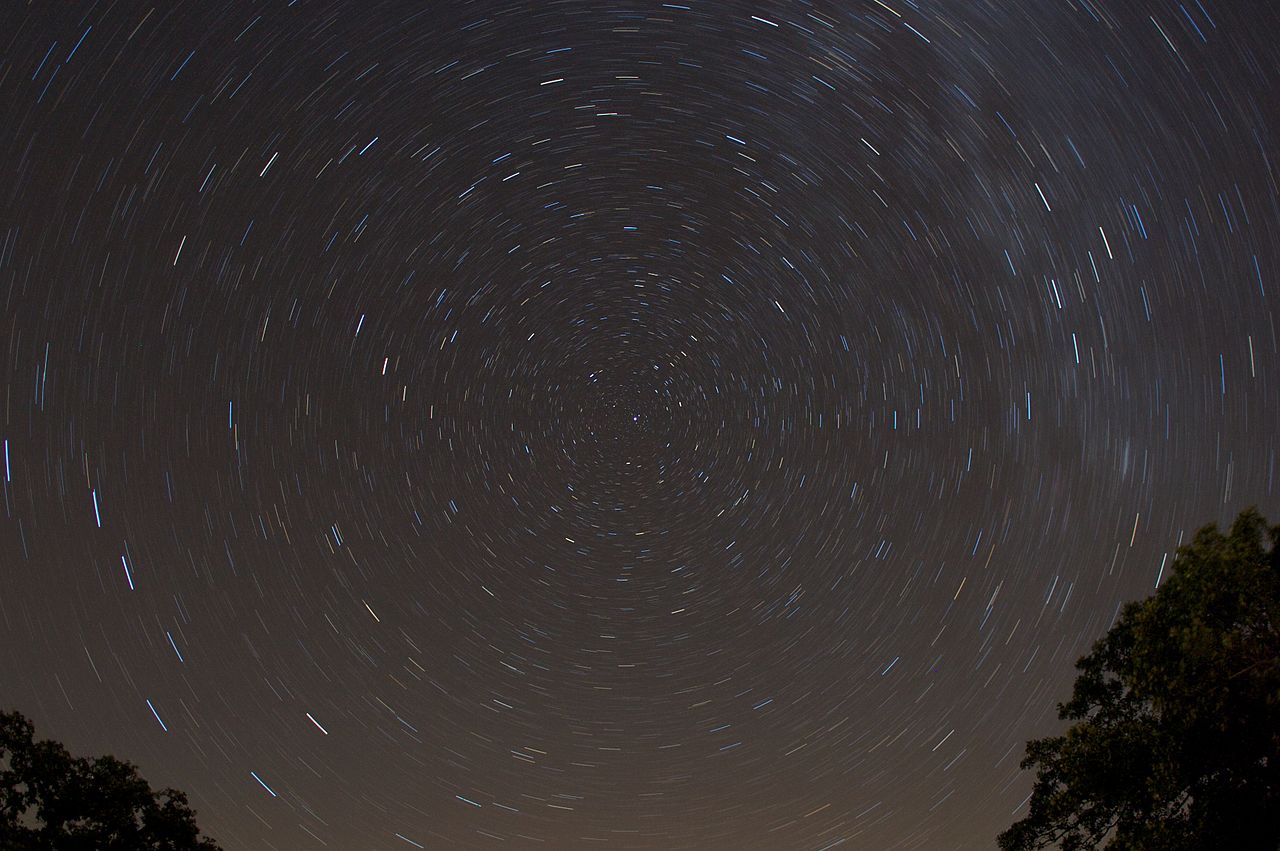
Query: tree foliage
[1176,736]
[51,800]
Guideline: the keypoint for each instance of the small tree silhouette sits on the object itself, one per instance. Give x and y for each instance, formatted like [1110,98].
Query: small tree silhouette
[51,800]
[1176,740]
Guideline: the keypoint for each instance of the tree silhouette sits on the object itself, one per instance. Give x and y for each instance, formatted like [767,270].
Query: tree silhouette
[1176,740]
[51,800]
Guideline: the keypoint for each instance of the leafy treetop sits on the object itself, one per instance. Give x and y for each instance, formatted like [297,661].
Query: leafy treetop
[49,799]
[1176,736]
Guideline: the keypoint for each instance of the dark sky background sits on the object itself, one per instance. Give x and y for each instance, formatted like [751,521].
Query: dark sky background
[615,424]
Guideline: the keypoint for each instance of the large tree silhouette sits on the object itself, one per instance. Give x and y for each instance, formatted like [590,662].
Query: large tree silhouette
[51,800]
[1176,740]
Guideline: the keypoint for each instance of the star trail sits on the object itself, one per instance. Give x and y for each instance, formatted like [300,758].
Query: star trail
[716,425]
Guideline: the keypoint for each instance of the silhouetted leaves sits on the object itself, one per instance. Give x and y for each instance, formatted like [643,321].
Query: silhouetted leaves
[1176,740]
[51,800]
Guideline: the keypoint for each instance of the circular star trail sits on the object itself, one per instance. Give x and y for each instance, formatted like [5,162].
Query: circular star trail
[588,424]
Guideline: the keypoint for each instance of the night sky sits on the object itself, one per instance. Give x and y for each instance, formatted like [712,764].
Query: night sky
[615,424]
